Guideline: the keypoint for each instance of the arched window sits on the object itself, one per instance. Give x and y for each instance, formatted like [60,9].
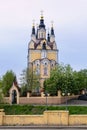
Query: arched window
[42,35]
[37,69]
[44,46]
[45,70]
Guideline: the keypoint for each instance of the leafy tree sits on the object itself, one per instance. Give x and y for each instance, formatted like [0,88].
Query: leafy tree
[55,82]
[83,78]
[7,81]
[1,94]
[80,78]
[0,84]
[65,79]
[29,81]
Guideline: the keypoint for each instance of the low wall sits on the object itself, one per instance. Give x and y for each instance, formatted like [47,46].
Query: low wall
[48,118]
[78,120]
[39,100]
[52,100]
[23,119]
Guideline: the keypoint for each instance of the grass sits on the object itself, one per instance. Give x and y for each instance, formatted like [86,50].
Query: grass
[31,109]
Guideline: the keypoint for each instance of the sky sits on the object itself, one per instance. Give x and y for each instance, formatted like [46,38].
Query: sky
[70,26]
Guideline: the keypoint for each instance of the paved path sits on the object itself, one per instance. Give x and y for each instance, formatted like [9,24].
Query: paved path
[43,127]
[76,102]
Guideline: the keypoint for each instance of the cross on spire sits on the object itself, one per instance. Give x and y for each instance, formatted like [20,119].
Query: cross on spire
[41,13]
[33,22]
[48,29]
[52,24]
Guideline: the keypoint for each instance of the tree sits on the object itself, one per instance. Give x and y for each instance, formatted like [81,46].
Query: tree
[55,82]
[80,78]
[29,81]
[7,81]
[1,94]
[63,78]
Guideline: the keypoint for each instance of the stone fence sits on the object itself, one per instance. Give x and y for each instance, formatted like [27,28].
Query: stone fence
[48,118]
[50,100]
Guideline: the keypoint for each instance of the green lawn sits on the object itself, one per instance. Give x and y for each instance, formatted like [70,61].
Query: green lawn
[31,109]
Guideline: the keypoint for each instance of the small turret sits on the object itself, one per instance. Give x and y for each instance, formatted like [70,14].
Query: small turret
[52,29]
[48,38]
[42,25]
[41,31]
[52,35]
[33,28]
[33,35]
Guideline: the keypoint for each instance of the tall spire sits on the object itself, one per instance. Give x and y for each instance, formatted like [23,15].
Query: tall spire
[48,38]
[42,25]
[33,28]
[52,29]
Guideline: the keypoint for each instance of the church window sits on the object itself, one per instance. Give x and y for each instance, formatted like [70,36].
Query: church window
[45,70]
[39,35]
[37,71]
[42,35]
[44,46]
[45,63]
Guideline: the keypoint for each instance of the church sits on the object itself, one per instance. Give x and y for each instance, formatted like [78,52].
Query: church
[42,51]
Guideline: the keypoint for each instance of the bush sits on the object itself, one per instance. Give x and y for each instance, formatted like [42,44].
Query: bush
[1,97]
[31,109]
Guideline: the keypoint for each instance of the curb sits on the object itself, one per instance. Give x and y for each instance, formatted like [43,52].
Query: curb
[44,127]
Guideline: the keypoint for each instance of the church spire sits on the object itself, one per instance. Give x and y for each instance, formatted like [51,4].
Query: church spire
[52,29]
[48,38]
[42,25]
[33,28]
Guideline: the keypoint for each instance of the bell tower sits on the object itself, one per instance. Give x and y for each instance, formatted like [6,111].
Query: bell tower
[42,51]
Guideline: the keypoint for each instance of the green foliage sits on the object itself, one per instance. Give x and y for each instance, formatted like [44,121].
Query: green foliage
[29,81]
[23,83]
[65,79]
[33,80]
[1,97]
[22,109]
[31,109]
[7,81]
[24,91]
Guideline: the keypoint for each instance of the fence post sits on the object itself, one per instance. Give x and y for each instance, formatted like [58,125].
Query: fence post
[2,113]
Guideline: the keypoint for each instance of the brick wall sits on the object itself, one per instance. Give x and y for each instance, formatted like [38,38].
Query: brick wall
[42,100]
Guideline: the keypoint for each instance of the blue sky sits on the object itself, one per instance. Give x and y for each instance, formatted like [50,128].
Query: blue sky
[70,24]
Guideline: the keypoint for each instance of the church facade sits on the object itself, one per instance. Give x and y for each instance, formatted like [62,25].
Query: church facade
[42,51]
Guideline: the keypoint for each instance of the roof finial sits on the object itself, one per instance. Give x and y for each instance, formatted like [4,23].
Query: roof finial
[52,24]
[41,14]
[37,25]
[42,25]
[52,29]
[48,30]
[33,22]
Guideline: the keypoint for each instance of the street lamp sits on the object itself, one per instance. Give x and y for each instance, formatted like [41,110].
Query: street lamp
[66,94]
[46,94]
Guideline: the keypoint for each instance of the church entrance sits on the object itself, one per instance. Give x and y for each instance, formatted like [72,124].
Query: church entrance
[14,97]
